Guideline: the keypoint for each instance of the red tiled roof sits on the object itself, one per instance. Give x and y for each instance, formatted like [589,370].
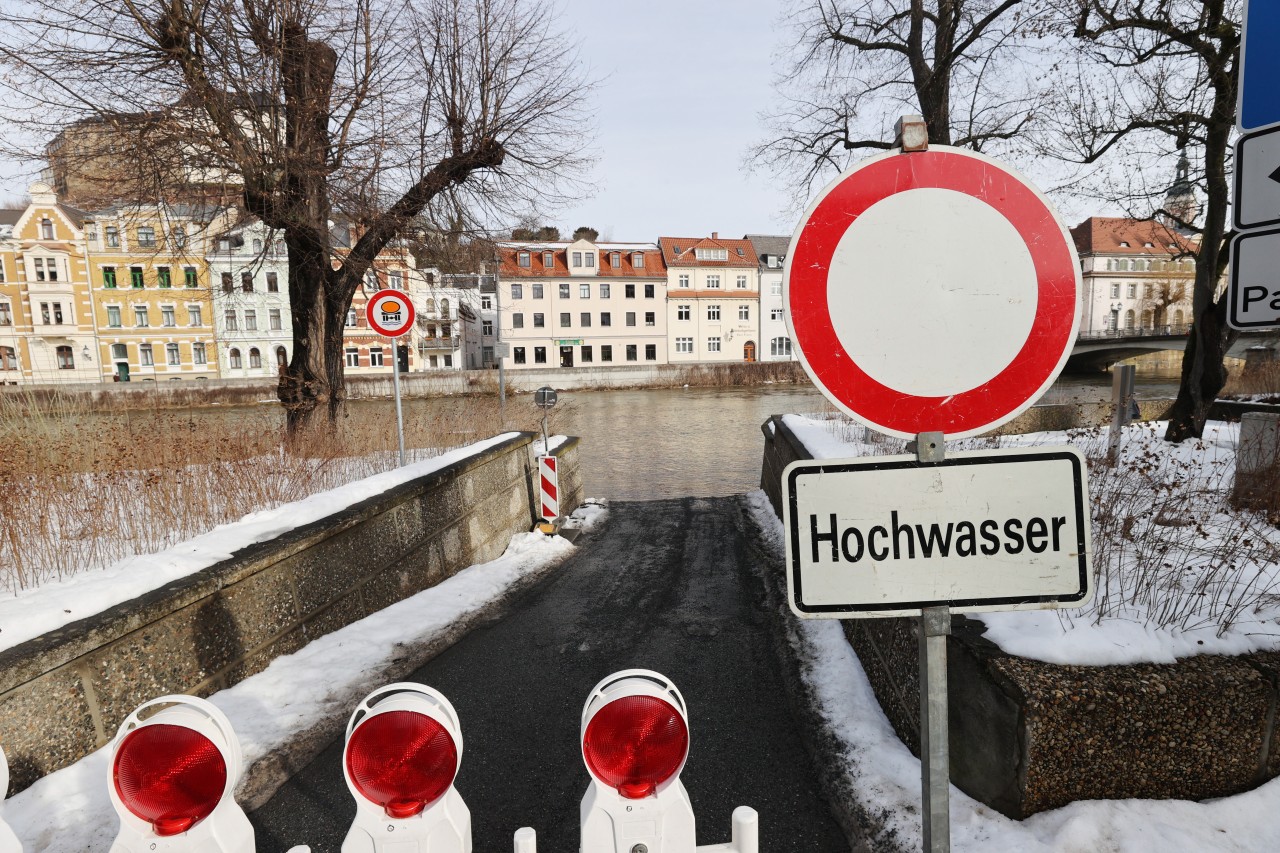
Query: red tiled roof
[653,266]
[1105,234]
[741,252]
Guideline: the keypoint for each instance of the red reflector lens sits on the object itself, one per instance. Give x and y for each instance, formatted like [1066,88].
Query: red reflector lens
[401,760]
[635,744]
[170,776]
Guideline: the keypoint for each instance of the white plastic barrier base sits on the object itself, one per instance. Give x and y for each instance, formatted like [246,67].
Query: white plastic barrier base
[745,838]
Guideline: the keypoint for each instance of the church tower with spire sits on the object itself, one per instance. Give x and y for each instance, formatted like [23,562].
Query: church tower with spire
[1180,201]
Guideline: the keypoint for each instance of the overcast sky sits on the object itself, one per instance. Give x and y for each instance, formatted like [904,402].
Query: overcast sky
[682,85]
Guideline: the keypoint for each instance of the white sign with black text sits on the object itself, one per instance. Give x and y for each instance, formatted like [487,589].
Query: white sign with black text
[977,531]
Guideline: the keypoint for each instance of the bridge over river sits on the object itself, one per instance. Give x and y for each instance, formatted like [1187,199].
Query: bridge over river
[1098,350]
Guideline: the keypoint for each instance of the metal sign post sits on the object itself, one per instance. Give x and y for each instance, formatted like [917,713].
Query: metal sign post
[395,382]
[544,398]
[390,313]
[935,754]
[1122,397]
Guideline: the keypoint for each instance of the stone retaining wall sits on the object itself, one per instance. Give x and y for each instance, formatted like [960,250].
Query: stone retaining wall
[1027,736]
[64,694]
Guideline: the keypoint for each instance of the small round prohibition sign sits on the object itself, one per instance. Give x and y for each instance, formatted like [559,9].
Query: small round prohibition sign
[389,313]
[932,291]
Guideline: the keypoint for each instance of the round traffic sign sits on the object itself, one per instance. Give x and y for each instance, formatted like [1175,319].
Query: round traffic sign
[389,313]
[545,397]
[932,291]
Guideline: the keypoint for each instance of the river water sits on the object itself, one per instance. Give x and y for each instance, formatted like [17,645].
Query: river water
[706,442]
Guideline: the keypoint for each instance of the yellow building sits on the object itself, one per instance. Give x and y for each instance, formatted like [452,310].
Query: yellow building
[151,292]
[46,318]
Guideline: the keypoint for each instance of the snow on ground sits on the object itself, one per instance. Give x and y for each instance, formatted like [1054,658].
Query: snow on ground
[45,608]
[69,810]
[886,776]
[1179,572]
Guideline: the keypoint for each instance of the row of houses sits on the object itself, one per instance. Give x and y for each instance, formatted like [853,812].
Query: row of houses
[189,292]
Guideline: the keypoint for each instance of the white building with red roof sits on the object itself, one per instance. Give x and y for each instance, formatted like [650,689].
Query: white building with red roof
[582,304]
[713,299]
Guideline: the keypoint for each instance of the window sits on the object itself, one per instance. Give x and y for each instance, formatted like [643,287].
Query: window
[1115,290]
[648,291]
[591,259]
[1,270]
[606,352]
[147,237]
[650,319]
[631,318]
[1133,289]
[376,357]
[282,357]
[604,290]
[66,361]
[162,277]
[119,352]
[548,260]
[246,282]
[606,318]
[250,320]
[744,312]
[45,317]
[637,260]
[524,259]
[539,355]
[229,318]
[39,264]
[564,320]
[444,309]
[684,344]
[1129,319]
[171,354]
[144,355]
[274,321]
[517,321]
[1146,290]
[168,316]
[486,303]
[577,259]
[91,233]
[629,291]
[780,346]
[195,316]
[684,279]
[109,277]
[135,277]
[585,319]
[371,279]
[8,359]
[227,285]
[711,254]
[233,359]
[539,321]
[775,314]
[518,355]
[564,290]
[517,291]
[615,260]
[537,291]
[776,288]
[179,237]
[57,313]
[584,291]
[713,312]
[6,314]
[431,305]
[650,352]
[682,312]
[713,282]
[351,318]
[190,274]
[448,361]
[713,345]
[197,354]
[140,316]
[631,352]
[273,282]
[486,328]
[351,357]
[113,237]
[587,355]
[113,317]
[46,229]
[742,282]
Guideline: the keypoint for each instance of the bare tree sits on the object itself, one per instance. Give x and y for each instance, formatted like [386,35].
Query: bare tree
[860,64]
[376,114]
[1159,79]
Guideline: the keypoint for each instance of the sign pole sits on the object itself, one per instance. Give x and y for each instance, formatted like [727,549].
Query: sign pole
[395,381]
[935,757]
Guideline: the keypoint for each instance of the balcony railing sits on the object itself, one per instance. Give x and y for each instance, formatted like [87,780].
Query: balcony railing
[1147,332]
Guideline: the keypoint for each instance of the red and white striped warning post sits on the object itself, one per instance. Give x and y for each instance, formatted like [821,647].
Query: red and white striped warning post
[549,493]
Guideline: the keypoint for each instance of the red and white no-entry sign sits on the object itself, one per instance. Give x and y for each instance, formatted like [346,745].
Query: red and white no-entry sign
[389,313]
[932,291]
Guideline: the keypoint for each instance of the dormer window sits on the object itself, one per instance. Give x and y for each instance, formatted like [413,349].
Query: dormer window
[1124,243]
[711,254]
[1149,245]
[577,259]
[637,260]
[548,260]
[524,259]
[591,259]
[615,260]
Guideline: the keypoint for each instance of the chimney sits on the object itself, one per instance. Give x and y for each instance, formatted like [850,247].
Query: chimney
[715,235]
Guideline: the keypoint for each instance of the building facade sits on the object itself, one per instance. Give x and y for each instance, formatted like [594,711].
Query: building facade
[713,299]
[771,254]
[249,271]
[581,304]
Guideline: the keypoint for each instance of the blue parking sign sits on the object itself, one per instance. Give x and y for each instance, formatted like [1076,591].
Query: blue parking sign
[1259,103]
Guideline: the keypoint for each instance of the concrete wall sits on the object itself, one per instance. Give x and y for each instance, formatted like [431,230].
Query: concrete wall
[1027,736]
[64,694]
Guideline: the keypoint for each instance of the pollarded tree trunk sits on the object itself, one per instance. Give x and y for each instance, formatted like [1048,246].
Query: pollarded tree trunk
[306,384]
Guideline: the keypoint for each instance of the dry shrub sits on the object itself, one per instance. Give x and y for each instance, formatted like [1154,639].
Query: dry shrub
[739,374]
[1261,380]
[86,488]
